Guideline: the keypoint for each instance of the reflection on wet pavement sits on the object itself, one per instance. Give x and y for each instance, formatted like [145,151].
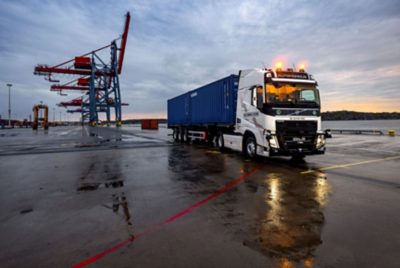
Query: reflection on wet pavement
[187,166]
[119,200]
[91,186]
[291,229]
[289,205]
[276,217]
[101,171]
[105,172]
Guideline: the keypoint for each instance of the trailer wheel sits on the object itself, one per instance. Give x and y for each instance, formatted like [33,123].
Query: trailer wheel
[219,141]
[182,134]
[250,148]
[185,135]
[175,134]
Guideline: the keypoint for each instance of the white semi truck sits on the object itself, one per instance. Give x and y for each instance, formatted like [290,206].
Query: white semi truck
[264,112]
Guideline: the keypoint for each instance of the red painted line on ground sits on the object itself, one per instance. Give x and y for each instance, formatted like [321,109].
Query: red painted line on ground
[155,227]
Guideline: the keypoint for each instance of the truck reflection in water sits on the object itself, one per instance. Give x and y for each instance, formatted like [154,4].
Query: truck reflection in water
[291,229]
[275,211]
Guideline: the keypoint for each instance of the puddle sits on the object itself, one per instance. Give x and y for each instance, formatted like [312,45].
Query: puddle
[131,138]
[86,145]
[25,211]
[91,186]
[8,135]
[291,229]
[120,206]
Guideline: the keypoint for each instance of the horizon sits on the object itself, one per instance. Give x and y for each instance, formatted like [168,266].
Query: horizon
[188,45]
[146,117]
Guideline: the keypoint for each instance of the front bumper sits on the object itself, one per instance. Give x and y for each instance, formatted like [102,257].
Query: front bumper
[298,151]
[296,138]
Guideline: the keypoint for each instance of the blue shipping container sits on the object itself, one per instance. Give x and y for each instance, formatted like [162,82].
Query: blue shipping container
[178,110]
[212,104]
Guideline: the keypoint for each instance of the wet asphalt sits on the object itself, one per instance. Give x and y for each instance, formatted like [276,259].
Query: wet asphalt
[66,196]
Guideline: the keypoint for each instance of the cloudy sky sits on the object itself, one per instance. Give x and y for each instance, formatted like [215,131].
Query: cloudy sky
[351,47]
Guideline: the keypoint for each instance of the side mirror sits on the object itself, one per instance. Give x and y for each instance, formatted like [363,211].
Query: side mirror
[328,134]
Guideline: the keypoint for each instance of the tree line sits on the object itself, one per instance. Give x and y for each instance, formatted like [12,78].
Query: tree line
[351,115]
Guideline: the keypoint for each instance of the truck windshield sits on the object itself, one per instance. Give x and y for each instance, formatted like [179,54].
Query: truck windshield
[283,94]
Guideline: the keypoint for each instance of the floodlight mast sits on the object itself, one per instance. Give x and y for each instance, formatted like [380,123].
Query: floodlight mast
[9,85]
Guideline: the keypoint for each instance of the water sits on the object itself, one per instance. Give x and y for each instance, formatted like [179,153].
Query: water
[383,125]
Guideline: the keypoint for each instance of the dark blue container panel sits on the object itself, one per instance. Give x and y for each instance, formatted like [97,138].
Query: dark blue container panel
[212,104]
[215,103]
[178,110]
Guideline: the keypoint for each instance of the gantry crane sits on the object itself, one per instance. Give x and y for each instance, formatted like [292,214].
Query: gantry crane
[98,78]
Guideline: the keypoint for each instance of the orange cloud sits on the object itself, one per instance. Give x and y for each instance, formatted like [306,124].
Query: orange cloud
[363,105]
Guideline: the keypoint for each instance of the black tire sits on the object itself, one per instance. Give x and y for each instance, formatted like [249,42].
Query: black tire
[219,141]
[185,136]
[181,134]
[175,134]
[210,138]
[250,147]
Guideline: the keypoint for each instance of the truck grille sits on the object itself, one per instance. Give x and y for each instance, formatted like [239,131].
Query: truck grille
[295,135]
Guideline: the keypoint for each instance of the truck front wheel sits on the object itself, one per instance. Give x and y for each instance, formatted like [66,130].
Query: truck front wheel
[250,148]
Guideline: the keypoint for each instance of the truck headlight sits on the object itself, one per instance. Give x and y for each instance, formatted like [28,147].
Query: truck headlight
[273,142]
[320,141]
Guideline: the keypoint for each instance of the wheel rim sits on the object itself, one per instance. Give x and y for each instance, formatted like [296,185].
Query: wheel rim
[251,148]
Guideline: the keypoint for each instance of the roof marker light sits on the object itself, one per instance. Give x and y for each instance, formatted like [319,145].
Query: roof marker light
[278,66]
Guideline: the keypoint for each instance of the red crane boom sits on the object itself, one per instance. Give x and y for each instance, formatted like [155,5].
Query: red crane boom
[123,42]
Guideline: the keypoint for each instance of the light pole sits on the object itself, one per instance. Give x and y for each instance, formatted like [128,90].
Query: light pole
[9,104]
[54,115]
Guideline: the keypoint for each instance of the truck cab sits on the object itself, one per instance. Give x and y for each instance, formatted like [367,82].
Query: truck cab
[278,113]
